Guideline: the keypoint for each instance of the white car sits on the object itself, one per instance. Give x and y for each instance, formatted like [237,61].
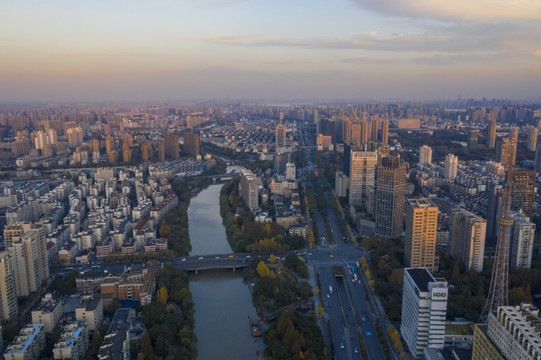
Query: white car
[200,258]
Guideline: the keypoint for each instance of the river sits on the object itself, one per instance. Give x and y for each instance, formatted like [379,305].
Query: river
[223,303]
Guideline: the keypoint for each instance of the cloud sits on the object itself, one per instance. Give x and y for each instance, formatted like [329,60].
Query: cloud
[461,10]
[537,53]
[371,60]
[364,41]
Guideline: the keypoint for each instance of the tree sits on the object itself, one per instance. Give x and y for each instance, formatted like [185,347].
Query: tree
[162,295]
[320,310]
[96,343]
[272,259]
[146,345]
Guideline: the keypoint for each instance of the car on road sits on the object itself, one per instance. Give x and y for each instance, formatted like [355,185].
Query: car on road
[331,255]
[368,333]
[183,259]
[356,350]
[231,256]
[341,345]
[363,318]
[200,258]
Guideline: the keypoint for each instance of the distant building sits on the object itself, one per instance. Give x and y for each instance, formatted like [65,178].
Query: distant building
[48,312]
[171,146]
[191,143]
[90,311]
[424,308]
[116,343]
[249,189]
[73,343]
[491,135]
[75,136]
[451,167]
[28,344]
[324,142]
[280,135]
[341,184]
[385,132]
[467,238]
[362,169]
[425,155]
[533,134]
[473,139]
[408,123]
[522,240]
[421,228]
[390,195]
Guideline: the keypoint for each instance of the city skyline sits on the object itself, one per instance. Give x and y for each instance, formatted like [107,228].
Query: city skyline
[334,49]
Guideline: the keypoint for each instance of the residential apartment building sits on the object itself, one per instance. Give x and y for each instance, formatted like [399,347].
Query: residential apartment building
[467,238]
[421,229]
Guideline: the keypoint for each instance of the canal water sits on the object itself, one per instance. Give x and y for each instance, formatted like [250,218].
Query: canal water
[223,304]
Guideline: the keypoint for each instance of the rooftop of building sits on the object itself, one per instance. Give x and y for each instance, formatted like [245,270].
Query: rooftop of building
[24,339]
[113,341]
[48,303]
[90,304]
[421,277]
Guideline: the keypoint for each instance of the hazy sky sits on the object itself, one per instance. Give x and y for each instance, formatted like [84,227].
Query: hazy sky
[64,50]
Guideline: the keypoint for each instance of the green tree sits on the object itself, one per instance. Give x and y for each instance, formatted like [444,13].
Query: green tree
[96,343]
[146,346]
[162,295]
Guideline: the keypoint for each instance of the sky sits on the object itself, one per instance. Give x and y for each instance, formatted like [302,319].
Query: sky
[116,50]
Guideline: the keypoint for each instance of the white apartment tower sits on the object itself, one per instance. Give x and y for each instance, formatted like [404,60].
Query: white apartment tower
[451,166]
[522,242]
[467,238]
[424,307]
[425,155]
[26,266]
[362,178]
[291,171]
[249,189]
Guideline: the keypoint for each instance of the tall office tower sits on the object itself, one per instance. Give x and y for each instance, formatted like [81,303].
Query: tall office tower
[338,126]
[473,139]
[109,144]
[522,242]
[191,143]
[512,333]
[467,238]
[523,190]
[362,169]
[503,150]
[533,133]
[491,135]
[27,272]
[365,131]
[347,158]
[375,128]
[424,307]
[280,135]
[451,167]
[421,228]
[249,189]
[315,117]
[9,307]
[425,155]
[513,140]
[356,130]
[75,136]
[171,146]
[52,137]
[390,195]
[12,232]
[385,132]
[291,171]
[41,140]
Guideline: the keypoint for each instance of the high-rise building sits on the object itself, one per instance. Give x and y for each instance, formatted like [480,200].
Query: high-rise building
[15,231]
[503,150]
[390,195]
[161,151]
[522,242]
[467,238]
[280,135]
[513,330]
[473,139]
[52,137]
[494,204]
[25,256]
[341,184]
[75,136]
[146,151]
[425,155]
[513,140]
[533,134]
[424,307]
[191,143]
[171,146]
[41,140]
[356,130]
[109,144]
[249,189]
[537,164]
[362,168]
[9,307]
[491,135]
[375,128]
[291,171]
[385,131]
[365,132]
[451,167]
[523,190]
[346,130]
[421,228]
[96,146]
